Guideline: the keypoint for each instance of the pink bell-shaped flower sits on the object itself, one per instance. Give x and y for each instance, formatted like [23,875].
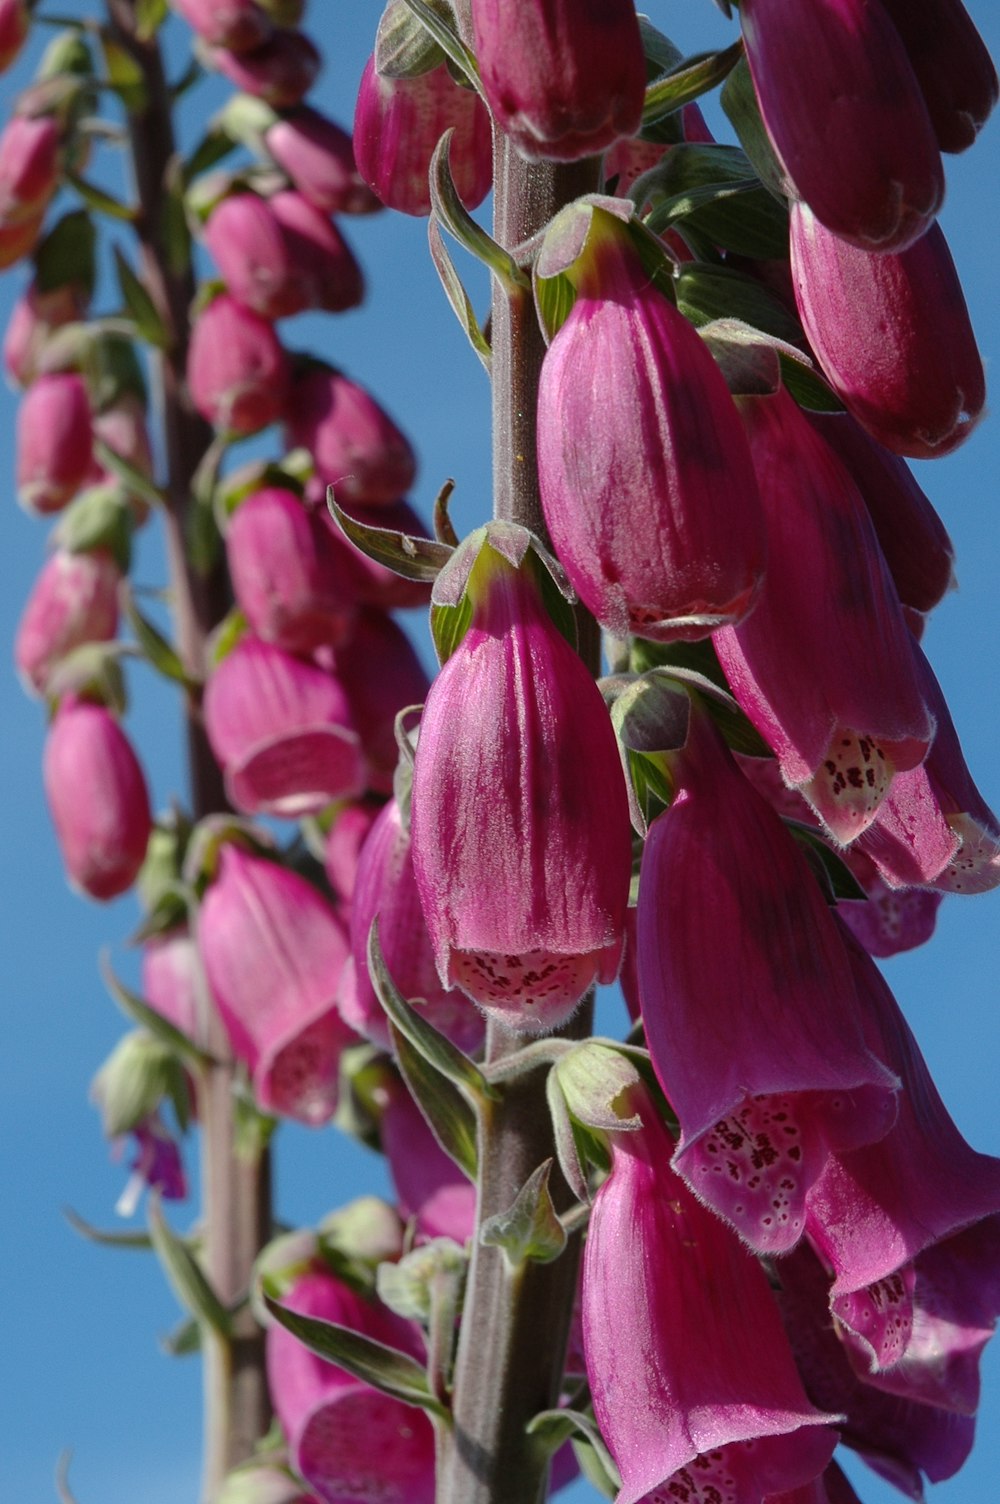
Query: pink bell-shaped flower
[888,920]
[235,24]
[273,950]
[74,600]
[170,979]
[350,1443]
[693,1382]
[282,730]
[97,798]
[892,334]
[245,241]
[823,664]
[563,78]
[237,370]
[54,442]
[318,156]
[645,473]
[521,840]
[356,446]
[399,121]
[381,675]
[281,71]
[729,910]
[29,167]
[287,575]
[35,316]
[14,22]
[954,69]
[386,889]
[846,117]
[430,1187]
[320,255]
[353,820]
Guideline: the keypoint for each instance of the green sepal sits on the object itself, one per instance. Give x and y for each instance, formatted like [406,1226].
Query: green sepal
[184,1341]
[747,358]
[124,75]
[452,603]
[706,292]
[806,384]
[448,207]
[279,1265]
[404,48]
[458,298]
[444,531]
[66,254]
[739,101]
[405,554]
[355,1239]
[384,1368]
[64,1493]
[139,305]
[185,1274]
[410,1286]
[149,17]
[112,366]
[716,191]
[107,1237]
[100,200]
[554,1427]
[565,242]
[831,872]
[132,1082]
[694,664]
[688,82]
[154,646]
[99,517]
[448,39]
[596,1079]
[92,672]
[570,1150]
[137,1009]
[449,1115]
[530,1229]
[215,145]
[449,625]
[135,482]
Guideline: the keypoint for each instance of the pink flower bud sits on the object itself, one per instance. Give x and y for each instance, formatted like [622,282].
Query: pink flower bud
[521,841]
[280,72]
[846,117]
[34,317]
[74,600]
[348,1441]
[54,442]
[323,260]
[97,798]
[282,730]
[273,951]
[399,121]
[953,67]
[287,574]
[20,238]
[254,258]
[29,167]
[386,889]
[14,22]
[645,473]
[237,370]
[235,24]
[564,78]
[343,848]
[356,446]
[429,1185]
[892,334]
[380,674]
[318,156]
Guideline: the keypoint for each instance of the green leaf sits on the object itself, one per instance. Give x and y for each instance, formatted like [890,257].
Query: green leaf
[149,17]
[384,1368]
[530,1229]
[66,254]
[456,294]
[155,647]
[808,387]
[140,306]
[448,40]
[404,553]
[98,199]
[556,1426]
[456,219]
[186,1277]
[832,873]
[184,1341]
[449,1116]
[706,292]
[739,101]
[106,1238]
[689,82]
[140,1012]
[215,145]
[124,75]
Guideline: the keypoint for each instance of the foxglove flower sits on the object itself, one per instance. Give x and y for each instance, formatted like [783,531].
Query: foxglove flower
[281,71]
[74,600]
[287,575]
[846,117]
[97,798]
[356,446]
[381,675]
[694,1385]
[170,969]
[157,1166]
[399,121]
[14,22]
[237,370]
[29,167]
[54,442]
[281,729]
[35,316]
[892,334]
[321,257]
[823,665]
[430,1187]
[350,1443]
[122,428]
[386,889]
[888,920]
[646,478]
[19,239]
[245,241]
[347,836]
[318,156]
[563,78]
[521,843]
[273,950]
[728,910]
[235,24]
[954,69]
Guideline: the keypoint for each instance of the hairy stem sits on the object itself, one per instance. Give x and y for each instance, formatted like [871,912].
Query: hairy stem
[236,1191]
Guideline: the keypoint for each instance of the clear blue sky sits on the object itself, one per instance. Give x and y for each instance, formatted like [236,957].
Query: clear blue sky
[81,1325]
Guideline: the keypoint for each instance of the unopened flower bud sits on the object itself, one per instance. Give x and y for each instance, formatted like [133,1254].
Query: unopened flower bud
[237,370]
[54,442]
[33,318]
[14,22]
[952,65]
[234,24]
[356,446]
[381,674]
[318,156]
[29,167]
[74,600]
[281,72]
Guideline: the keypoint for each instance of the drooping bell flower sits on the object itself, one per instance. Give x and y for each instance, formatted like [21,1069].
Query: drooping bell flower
[74,600]
[318,156]
[892,334]
[350,1443]
[97,797]
[29,167]
[234,24]
[954,69]
[645,473]
[356,446]
[888,920]
[693,1382]
[273,950]
[14,22]
[170,979]
[823,665]
[287,575]
[399,121]
[736,944]
[381,675]
[911,535]
[430,1187]
[321,256]
[54,442]
[237,370]
[35,316]
[846,117]
[521,841]
[935,827]
[386,889]
[352,822]
[372,583]
[246,243]
[563,80]
[282,731]
[281,72]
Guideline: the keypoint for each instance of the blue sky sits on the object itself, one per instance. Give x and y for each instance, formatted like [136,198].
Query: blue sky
[81,1327]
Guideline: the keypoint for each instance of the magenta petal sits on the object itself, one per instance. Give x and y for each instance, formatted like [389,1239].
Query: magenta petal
[430,1186]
